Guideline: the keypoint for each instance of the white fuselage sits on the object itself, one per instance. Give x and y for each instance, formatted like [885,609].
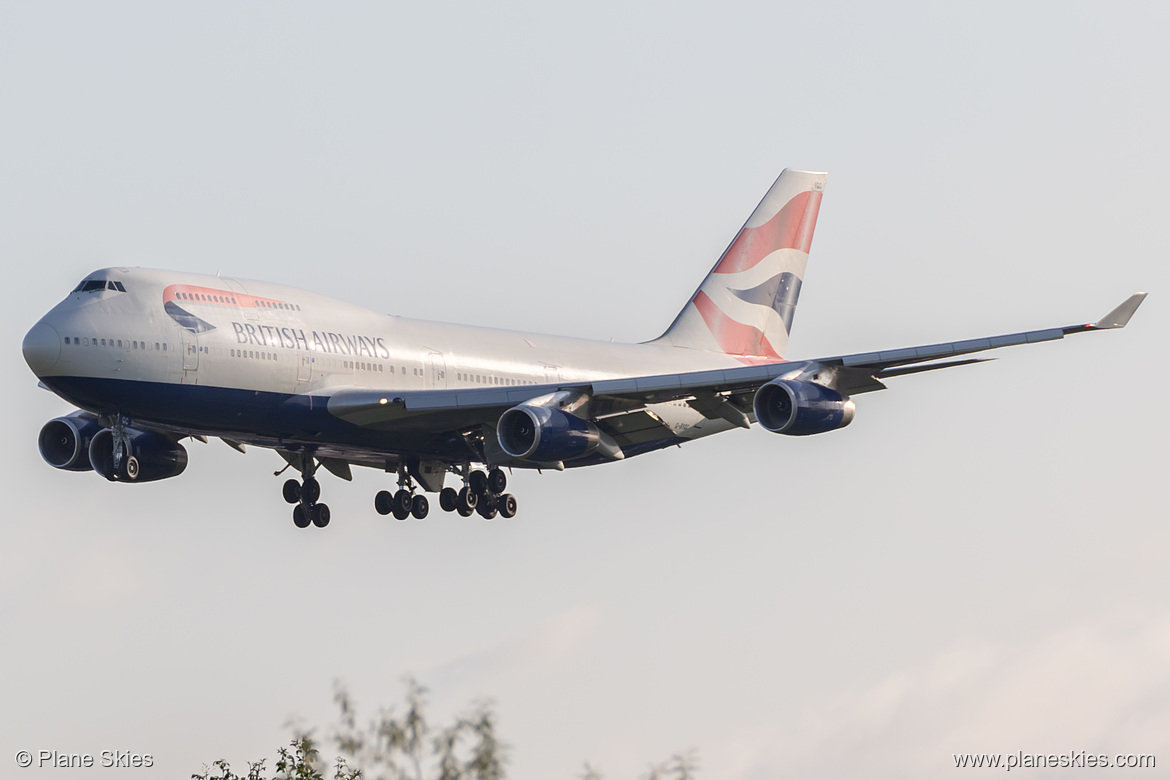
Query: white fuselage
[187,329]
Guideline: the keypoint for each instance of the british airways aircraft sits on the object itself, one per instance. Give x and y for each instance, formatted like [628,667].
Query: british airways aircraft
[152,357]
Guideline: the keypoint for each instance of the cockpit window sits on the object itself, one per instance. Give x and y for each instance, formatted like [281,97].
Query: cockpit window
[89,285]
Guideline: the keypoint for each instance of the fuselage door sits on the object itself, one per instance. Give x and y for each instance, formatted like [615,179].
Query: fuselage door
[304,368]
[190,342]
[250,313]
[436,371]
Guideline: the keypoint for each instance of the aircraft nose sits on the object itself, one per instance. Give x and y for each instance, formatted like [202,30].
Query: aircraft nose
[41,347]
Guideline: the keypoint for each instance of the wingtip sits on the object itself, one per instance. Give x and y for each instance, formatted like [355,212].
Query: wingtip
[1119,317]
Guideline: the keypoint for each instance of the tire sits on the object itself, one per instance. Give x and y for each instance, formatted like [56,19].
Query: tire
[320,515]
[419,507]
[400,513]
[292,491]
[497,481]
[507,505]
[478,482]
[487,510]
[468,498]
[311,490]
[383,502]
[301,518]
[403,501]
[464,511]
[448,499]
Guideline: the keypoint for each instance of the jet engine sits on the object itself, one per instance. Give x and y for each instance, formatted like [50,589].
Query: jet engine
[151,456]
[801,408]
[64,442]
[543,435]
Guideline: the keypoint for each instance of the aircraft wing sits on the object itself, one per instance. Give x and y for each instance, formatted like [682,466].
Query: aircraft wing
[619,405]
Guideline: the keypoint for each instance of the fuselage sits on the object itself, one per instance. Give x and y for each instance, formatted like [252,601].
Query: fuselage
[221,356]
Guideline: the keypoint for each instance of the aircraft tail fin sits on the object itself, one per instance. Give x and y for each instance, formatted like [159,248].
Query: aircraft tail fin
[744,307]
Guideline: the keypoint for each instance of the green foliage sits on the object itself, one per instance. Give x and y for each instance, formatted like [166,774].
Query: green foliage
[410,747]
[300,761]
[405,747]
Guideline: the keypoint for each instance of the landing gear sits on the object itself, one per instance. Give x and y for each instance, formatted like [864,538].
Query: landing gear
[404,502]
[305,494]
[483,492]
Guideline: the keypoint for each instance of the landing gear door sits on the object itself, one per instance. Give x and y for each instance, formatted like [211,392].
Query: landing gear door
[436,371]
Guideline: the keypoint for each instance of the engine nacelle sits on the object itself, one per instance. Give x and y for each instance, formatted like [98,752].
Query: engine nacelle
[543,435]
[801,408]
[64,442]
[152,456]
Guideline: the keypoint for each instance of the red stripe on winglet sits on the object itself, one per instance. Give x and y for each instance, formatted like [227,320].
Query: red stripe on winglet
[734,337]
[790,228]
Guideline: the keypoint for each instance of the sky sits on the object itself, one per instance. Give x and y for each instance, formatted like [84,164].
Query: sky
[975,565]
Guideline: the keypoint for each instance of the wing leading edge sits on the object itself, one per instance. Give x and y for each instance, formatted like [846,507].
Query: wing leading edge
[717,393]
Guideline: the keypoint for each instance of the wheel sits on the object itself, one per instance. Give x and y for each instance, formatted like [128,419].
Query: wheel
[419,507]
[383,502]
[507,505]
[403,501]
[448,499]
[292,491]
[399,512]
[487,507]
[320,514]
[311,490]
[468,498]
[478,482]
[301,518]
[133,468]
[464,511]
[497,481]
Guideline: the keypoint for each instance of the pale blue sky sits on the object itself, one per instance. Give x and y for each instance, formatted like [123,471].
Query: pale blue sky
[977,564]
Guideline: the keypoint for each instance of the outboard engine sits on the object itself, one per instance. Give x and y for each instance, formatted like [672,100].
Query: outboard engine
[64,442]
[797,408]
[544,435]
[151,456]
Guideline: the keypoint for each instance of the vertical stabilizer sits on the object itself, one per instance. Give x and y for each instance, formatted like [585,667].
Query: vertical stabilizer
[744,307]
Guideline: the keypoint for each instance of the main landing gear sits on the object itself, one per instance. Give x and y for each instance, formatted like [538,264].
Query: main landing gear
[403,503]
[482,492]
[305,494]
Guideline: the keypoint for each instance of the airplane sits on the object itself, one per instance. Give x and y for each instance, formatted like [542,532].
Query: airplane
[151,357]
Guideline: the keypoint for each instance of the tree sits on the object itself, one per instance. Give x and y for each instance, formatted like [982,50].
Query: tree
[410,747]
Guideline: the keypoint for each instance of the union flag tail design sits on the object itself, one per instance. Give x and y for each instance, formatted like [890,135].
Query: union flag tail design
[744,307]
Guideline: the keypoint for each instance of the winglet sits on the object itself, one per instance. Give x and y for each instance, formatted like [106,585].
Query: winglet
[1119,317]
